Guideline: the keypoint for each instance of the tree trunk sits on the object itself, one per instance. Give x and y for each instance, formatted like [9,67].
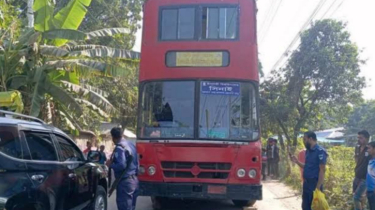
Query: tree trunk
[285,131]
[281,139]
[49,114]
[30,14]
[3,83]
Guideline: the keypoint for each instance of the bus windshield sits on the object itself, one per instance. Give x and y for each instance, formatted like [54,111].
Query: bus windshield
[168,110]
[228,111]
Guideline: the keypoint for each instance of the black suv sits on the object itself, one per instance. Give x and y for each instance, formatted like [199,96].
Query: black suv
[42,168]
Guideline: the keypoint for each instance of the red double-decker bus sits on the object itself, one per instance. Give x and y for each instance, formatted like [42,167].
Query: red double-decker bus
[198,131]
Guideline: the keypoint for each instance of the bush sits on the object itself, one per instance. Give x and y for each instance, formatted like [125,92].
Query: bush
[338,179]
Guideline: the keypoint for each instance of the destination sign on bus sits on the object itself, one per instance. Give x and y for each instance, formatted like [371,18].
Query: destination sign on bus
[221,88]
[197,59]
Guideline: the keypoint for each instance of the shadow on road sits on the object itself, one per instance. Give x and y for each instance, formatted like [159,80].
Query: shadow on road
[200,205]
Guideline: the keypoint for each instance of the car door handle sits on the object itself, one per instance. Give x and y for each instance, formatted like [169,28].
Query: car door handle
[39,178]
[72,175]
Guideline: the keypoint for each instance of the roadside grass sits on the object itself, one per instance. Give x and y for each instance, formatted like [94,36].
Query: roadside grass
[338,179]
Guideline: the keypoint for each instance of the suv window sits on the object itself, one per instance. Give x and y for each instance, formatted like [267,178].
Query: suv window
[41,146]
[9,142]
[68,151]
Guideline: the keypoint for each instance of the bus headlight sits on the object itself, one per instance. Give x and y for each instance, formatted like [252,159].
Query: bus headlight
[252,173]
[151,170]
[241,173]
[141,170]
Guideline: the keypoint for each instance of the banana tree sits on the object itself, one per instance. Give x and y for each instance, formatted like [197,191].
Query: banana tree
[45,63]
[69,17]
[48,69]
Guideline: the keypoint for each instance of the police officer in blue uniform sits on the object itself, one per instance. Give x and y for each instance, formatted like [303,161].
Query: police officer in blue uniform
[313,169]
[126,191]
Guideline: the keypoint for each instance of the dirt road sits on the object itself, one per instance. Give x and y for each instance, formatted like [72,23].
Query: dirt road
[276,196]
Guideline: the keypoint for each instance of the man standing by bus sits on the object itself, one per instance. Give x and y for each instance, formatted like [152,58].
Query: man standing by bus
[275,158]
[362,158]
[88,149]
[264,163]
[314,168]
[124,160]
[103,156]
[370,180]
[269,156]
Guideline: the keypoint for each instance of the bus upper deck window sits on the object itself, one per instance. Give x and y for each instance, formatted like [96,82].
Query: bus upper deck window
[219,23]
[178,23]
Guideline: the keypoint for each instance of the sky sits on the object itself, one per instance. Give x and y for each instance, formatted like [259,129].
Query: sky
[279,21]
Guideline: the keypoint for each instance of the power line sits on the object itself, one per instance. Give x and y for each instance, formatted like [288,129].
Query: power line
[268,15]
[322,18]
[273,17]
[338,7]
[296,38]
[329,8]
[295,17]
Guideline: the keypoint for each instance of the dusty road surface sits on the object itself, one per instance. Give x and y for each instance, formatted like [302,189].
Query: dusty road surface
[276,196]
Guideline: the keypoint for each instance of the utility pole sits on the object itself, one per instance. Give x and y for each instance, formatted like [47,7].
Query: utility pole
[30,14]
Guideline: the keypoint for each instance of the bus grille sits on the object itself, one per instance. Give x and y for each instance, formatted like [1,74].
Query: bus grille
[196,170]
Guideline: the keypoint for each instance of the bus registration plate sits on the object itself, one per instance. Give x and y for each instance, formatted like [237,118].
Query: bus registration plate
[212,189]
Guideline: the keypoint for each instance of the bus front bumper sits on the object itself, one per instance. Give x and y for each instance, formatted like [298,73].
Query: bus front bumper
[201,191]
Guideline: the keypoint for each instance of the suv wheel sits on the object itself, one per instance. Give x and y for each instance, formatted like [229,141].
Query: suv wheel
[100,201]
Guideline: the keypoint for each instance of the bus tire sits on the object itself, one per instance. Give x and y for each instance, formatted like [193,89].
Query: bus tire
[159,202]
[243,203]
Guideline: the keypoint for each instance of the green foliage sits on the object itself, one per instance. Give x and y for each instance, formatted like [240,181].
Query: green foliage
[72,15]
[314,89]
[260,68]
[123,94]
[338,179]
[108,52]
[8,16]
[112,14]
[44,12]
[362,117]
[68,17]
[49,75]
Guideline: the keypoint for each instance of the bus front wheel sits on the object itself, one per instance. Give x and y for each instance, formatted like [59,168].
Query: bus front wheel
[244,203]
[159,202]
